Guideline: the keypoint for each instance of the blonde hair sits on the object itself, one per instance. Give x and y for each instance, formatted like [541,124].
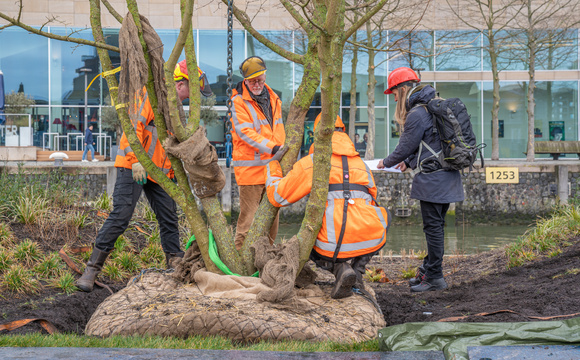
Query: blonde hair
[401,109]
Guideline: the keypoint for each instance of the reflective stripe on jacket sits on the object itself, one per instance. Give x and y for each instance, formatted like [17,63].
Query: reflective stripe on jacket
[253,137]
[142,120]
[367,223]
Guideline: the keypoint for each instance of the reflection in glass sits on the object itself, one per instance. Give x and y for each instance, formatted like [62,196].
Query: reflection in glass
[24,60]
[412,49]
[457,50]
[67,76]
[212,59]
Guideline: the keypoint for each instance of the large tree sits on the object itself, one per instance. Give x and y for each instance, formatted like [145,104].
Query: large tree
[323,24]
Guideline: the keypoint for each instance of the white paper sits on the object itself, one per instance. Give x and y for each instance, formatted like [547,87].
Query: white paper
[372,164]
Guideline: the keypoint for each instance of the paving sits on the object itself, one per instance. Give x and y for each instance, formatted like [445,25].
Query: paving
[173,354]
[527,352]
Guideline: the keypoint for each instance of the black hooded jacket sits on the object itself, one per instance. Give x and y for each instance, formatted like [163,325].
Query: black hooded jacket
[440,187]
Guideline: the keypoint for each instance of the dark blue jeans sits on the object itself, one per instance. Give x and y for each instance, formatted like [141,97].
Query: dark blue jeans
[125,198]
[434,228]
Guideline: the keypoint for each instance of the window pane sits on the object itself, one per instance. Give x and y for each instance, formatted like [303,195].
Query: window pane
[213,59]
[510,51]
[24,62]
[458,50]
[513,119]
[556,116]
[411,49]
[559,50]
[68,62]
[280,70]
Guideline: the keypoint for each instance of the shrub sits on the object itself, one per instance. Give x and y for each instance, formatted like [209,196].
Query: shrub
[50,266]
[29,208]
[27,252]
[19,280]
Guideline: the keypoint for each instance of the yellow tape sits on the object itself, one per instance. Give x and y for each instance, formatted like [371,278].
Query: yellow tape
[120,106]
[103,74]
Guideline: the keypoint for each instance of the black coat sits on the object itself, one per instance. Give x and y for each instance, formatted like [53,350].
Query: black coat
[442,186]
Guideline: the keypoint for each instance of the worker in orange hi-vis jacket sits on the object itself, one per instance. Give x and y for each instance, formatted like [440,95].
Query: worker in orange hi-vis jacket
[257,135]
[354,226]
[132,180]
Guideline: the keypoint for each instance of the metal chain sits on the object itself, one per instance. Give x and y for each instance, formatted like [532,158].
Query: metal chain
[229,82]
[230,61]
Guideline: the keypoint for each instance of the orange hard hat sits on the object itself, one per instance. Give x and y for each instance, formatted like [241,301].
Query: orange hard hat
[337,124]
[180,73]
[399,76]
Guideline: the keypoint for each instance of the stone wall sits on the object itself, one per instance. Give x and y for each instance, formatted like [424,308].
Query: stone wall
[535,195]
[539,189]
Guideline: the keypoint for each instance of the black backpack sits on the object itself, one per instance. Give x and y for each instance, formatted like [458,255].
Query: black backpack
[458,143]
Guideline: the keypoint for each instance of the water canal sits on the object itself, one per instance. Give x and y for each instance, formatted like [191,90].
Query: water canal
[459,240]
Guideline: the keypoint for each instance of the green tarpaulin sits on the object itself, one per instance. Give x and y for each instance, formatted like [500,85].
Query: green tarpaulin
[454,338]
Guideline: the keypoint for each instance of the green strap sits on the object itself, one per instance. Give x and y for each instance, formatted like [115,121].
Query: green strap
[214,255]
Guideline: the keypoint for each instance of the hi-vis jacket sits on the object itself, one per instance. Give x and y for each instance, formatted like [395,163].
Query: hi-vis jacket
[366,225]
[144,126]
[253,137]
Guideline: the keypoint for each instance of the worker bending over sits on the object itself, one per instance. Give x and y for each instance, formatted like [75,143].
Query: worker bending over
[354,227]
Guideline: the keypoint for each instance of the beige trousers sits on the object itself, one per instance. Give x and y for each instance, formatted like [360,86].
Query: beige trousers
[250,197]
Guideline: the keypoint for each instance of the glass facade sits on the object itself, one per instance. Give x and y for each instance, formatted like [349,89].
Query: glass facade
[54,74]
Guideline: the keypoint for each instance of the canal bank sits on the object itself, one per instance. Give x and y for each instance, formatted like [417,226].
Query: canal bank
[540,186]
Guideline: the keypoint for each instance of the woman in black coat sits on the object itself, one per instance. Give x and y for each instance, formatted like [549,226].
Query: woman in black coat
[433,187]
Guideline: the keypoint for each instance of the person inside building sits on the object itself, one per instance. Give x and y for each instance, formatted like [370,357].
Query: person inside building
[257,134]
[132,180]
[354,228]
[435,189]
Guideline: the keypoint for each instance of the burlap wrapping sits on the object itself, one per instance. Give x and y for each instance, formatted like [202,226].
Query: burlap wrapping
[226,305]
[200,159]
[134,69]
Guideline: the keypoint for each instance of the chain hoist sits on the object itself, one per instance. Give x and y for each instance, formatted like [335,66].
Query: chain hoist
[229,83]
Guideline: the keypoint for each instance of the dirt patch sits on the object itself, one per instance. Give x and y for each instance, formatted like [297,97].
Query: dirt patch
[480,283]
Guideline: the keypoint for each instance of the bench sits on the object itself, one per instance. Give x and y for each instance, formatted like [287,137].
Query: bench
[44,155]
[555,148]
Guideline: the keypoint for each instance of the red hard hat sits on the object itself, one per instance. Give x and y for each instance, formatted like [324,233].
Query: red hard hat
[337,123]
[399,76]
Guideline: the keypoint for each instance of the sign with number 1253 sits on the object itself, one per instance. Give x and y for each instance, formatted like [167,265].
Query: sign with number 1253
[502,175]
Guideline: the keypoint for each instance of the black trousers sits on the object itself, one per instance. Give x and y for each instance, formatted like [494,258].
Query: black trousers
[125,198]
[434,228]
[358,263]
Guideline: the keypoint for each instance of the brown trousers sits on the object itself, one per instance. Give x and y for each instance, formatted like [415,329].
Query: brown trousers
[250,197]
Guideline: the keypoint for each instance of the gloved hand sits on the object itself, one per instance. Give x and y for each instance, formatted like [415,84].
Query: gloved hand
[278,155]
[139,173]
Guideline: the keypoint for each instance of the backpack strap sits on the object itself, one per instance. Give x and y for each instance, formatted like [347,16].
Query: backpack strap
[419,167]
[346,192]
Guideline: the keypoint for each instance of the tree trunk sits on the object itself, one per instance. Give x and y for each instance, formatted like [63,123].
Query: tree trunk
[532,48]
[353,106]
[496,98]
[370,150]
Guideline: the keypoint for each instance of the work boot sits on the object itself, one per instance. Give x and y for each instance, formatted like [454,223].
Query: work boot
[169,257]
[430,285]
[419,276]
[94,266]
[345,279]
